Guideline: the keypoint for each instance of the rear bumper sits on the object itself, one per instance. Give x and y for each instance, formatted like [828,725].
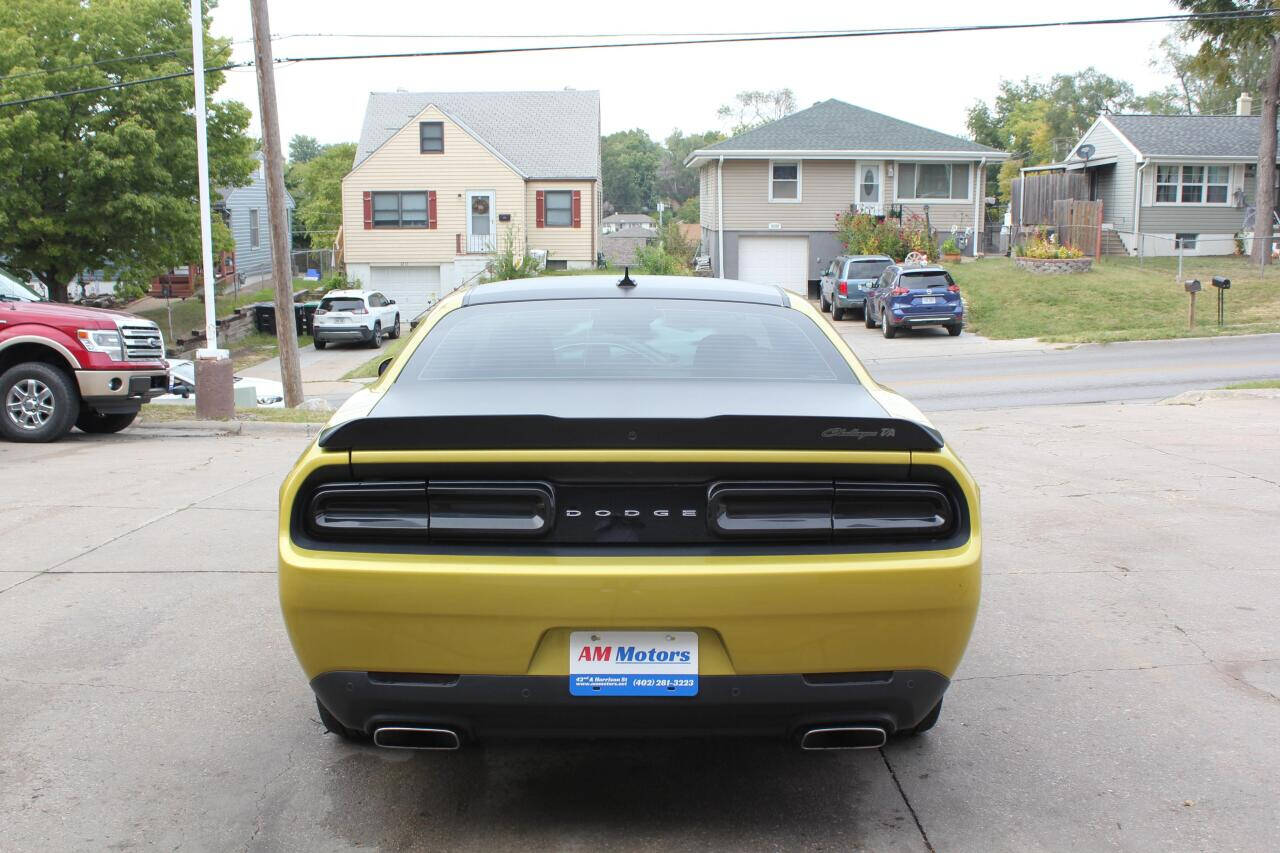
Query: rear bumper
[852,300]
[480,706]
[341,333]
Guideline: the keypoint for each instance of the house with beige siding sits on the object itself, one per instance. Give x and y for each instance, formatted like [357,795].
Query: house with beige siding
[1170,184]
[770,196]
[444,180]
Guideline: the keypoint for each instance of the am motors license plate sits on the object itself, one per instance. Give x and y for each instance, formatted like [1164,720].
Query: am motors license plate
[633,663]
[928,300]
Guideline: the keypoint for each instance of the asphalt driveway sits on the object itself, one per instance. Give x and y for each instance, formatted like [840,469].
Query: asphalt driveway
[1120,691]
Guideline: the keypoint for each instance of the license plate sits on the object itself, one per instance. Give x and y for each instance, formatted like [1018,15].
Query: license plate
[633,663]
[928,300]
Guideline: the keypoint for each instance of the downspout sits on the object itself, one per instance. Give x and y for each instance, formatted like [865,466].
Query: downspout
[720,216]
[1137,209]
[980,191]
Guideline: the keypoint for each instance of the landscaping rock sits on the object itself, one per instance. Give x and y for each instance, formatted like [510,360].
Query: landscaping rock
[1054,265]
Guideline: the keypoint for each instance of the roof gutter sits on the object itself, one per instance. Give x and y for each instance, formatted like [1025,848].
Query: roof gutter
[709,154]
[720,216]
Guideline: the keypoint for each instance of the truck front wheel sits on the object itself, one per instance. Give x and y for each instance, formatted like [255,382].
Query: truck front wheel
[40,403]
[91,420]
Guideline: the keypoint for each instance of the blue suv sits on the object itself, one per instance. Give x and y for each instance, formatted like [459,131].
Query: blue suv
[906,296]
[847,279]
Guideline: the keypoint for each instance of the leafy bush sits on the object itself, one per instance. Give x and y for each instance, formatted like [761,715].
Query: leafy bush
[507,264]
[951,247]
[655,260]
[863,234]
[337,280]
[1045,247]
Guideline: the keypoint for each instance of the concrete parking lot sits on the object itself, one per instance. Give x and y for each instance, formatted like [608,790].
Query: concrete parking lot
[1120,692]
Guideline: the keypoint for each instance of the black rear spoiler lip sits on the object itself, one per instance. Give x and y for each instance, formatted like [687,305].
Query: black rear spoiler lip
[547,432]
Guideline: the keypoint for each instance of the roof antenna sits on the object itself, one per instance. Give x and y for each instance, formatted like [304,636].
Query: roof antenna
[626,278]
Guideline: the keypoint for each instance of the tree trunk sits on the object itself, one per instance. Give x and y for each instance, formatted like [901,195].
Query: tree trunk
[1266,192]
[56,283]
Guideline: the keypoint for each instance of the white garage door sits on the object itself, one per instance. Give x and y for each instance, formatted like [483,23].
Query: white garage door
[775,260]
[413,288]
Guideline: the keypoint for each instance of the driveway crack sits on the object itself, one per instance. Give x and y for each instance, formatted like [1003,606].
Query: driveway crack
[924,836]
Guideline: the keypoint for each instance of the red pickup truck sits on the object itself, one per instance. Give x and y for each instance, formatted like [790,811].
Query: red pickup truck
[64,365]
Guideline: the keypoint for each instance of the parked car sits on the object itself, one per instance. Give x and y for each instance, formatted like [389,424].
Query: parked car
[355,315]
[846,281]
[907,296]
[67,365]
[268,393]
[667,505]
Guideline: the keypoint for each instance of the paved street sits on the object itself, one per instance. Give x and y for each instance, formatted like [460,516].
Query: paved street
[1120,691]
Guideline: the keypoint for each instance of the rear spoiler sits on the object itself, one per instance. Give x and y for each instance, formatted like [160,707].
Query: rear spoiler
[546,432]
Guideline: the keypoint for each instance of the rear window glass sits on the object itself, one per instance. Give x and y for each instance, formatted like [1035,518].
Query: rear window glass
[924,279]
[623,339]
[864,269]
[333,304]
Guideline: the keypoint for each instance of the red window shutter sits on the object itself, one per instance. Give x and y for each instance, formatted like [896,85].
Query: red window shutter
[542,209]
[431,208]
[368,210]
[577,208]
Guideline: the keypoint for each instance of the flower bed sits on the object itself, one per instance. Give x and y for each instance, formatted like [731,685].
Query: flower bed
[1053,265]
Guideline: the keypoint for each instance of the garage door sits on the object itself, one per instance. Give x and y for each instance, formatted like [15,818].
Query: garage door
[775,260]
[413,288]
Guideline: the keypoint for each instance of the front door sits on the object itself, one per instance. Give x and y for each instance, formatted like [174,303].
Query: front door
[868,190]
[480,222]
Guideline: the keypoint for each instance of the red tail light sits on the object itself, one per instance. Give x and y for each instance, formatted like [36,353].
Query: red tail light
[899,291]
[954,288]
[320,311]
[844,288]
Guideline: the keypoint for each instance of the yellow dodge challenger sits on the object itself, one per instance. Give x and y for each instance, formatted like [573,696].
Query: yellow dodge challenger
[652,506]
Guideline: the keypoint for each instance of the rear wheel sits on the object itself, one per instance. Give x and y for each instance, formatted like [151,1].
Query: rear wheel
[395,328]
[868,319]
[93,421]
[954,329]
[837,313]
[39,403]
[376,340]
[321,344]
[333,725]
[888,330]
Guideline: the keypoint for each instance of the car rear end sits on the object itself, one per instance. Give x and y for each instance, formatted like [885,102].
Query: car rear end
[857,277]
[642,557]
[925,297]
[342,318]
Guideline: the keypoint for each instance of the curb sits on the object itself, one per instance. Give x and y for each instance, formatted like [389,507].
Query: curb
[1193,398]
[217,428]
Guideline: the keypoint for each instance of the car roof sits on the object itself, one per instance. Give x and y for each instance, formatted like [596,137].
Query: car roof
[865,258]
[347,294]
[910,268]
[645,287]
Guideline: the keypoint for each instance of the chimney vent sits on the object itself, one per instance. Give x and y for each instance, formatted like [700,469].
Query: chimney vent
[1244,104]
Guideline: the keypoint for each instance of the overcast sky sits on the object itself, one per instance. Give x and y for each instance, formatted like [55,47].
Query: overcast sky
[926,79]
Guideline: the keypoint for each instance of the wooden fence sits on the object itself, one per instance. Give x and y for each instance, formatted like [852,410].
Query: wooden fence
[1032,198]
[1079,223]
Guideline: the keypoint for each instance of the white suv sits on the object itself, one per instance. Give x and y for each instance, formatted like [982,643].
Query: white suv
[355,315]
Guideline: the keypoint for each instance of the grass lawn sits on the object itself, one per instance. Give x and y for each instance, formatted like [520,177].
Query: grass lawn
[1119,300]
[159,413]
[370,367]
[188,314]
[1258,383]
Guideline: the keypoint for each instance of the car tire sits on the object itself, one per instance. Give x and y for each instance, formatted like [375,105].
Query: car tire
[868,319]
[930,720]
[334,726]
[320,344]
[395,328]
[837,313]
[885,328]
[56,402]
[376,341]
[95,422]
[954,329]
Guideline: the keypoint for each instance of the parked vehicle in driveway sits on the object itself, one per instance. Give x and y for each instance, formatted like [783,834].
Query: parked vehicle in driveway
[358,316]
[267,392]
[846,281]
[906,296]
[66,365]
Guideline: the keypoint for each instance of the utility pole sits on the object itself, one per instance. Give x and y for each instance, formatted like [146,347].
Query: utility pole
[277,216]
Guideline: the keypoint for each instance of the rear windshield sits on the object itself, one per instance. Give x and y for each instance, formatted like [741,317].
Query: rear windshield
[924,279]
[337,304]
[623,339]
[864,269]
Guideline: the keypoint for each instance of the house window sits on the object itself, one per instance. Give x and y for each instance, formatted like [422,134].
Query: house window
[255,237]
[1185,241]
[933,181]
[559,208]
[1191,184]
[557,265]
[431,137]
[400,210]
[784,180]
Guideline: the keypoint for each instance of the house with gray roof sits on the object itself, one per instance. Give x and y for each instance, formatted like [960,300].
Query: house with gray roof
[444,180]
[1171,183]
[770,196]
[244,210]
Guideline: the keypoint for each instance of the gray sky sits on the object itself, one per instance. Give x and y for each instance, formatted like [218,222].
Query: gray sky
[926,79]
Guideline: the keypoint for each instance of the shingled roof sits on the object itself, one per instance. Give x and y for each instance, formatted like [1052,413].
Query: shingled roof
[1191,136]
[542,134]
[833,125]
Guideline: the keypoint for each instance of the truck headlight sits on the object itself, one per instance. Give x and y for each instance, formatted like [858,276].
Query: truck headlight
[103,340]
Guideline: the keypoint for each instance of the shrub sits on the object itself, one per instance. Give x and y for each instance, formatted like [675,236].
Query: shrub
[951,247]
[655,260]
[507,264]
[1046,247]
[863,234]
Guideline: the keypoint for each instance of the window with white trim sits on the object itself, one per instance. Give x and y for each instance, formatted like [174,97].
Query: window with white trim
[255,238]
[1186,183]
[1185,241]
[784,180]
[933,181]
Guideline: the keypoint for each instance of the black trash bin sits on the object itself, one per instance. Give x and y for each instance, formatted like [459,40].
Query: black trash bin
[306,312]
[264,317]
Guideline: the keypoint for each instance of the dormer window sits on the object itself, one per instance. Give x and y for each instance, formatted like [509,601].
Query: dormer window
[431,137]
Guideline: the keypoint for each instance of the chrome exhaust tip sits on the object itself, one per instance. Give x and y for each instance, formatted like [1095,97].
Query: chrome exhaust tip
[412,737]
[844,737]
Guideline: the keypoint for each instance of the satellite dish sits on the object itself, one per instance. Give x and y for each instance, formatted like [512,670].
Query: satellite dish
[1084,152]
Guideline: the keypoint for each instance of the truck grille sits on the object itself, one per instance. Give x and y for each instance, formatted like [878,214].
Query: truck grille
[142,342]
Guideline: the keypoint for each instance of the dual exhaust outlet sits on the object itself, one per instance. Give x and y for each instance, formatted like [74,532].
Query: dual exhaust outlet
[830,737]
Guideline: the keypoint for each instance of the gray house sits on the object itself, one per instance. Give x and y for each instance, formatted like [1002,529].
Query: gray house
[769,197]
[1171,183]
[244,210]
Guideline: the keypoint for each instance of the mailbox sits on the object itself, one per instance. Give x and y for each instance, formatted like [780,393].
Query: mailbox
[1221,283]
[504,217]
[1192,285]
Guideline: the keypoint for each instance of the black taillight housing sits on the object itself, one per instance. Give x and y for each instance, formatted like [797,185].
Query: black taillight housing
[368,510]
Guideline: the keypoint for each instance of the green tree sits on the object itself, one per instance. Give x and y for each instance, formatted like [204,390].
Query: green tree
[316,186]
[1209,83]
[106,180]
[629,162]
[1220,37]
[304,149]
[676,181]
[754,108]
[690,210]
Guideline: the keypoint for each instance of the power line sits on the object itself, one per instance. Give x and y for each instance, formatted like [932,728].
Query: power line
[1244,14]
